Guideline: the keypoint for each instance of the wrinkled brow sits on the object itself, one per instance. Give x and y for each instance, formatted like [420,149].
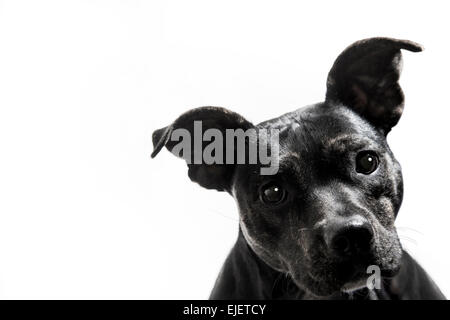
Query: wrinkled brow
[349,142]
[290,163]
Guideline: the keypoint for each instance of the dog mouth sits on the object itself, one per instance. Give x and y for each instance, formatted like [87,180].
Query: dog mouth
[369,279]
[353,276]
[344,277]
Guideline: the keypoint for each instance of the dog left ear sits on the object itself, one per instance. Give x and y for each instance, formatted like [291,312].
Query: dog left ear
[365,76]
[213,175]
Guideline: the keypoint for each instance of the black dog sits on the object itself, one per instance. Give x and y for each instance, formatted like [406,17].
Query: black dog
[311,230]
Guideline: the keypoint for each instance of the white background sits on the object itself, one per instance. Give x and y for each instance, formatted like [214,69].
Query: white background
[85,213]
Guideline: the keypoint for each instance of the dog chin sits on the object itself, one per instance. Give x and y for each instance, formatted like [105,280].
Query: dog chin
[316,287]
[328,287]
[325,290]
[353,286]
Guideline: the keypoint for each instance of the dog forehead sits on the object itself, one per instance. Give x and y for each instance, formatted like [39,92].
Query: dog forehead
[312,132]
[321,124]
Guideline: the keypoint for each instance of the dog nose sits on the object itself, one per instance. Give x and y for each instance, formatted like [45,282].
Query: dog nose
[352,239]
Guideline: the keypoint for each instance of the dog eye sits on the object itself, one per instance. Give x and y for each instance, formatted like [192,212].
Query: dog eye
[272,193]
[366,162]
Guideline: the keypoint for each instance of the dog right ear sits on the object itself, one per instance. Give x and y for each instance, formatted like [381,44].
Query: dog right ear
[365,78]
[215,175]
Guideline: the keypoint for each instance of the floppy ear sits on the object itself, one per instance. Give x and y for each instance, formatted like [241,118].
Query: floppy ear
[365,76]
[216,175]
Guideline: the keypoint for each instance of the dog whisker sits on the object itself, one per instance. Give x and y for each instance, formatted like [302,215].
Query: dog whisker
[407,239]
[222,214]
[410,229]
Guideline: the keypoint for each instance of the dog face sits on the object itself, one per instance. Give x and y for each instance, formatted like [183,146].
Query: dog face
[328,212]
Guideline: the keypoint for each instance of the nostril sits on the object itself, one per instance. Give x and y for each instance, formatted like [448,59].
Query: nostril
[352,241]
[341,244]
[363,239]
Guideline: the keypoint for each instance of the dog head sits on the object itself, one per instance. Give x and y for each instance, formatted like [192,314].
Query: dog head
[328,211]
